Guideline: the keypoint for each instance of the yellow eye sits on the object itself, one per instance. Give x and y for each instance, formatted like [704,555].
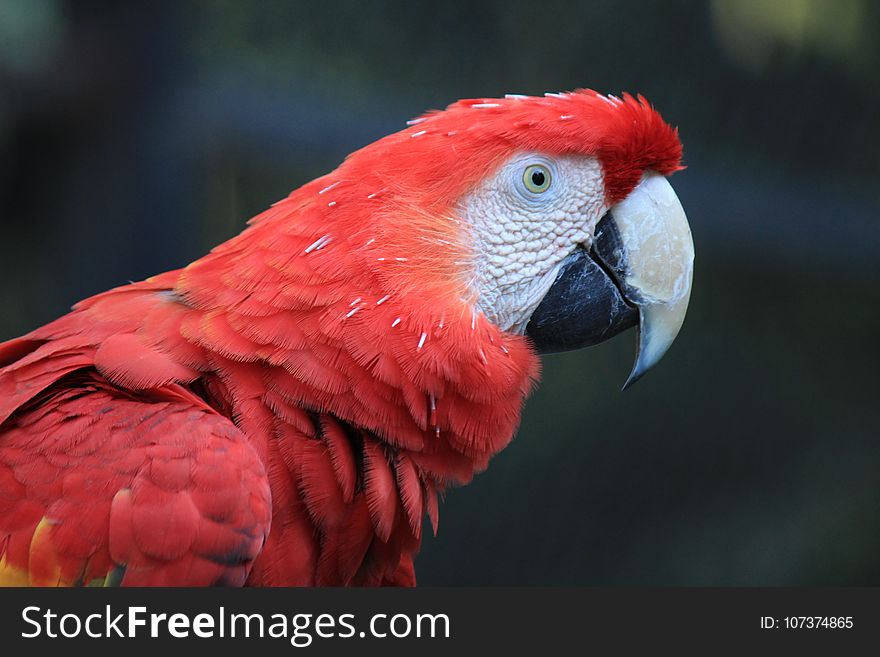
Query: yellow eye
[536,178]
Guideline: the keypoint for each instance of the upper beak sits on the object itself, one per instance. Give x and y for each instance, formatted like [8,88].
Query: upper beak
[638,272]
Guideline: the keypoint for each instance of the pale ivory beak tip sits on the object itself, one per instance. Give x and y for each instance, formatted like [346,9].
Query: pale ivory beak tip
[660,256]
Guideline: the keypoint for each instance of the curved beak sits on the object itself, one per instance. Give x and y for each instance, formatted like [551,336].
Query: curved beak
[638,272]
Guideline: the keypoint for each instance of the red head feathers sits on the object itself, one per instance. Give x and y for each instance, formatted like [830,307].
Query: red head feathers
[400,191]
[625,134]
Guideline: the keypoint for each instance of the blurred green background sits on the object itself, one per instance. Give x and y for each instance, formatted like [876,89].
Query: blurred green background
[134,136]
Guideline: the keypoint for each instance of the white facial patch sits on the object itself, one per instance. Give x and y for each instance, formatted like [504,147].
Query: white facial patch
[522,227]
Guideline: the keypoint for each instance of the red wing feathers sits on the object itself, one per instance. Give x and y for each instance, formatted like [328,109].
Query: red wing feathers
[96,484]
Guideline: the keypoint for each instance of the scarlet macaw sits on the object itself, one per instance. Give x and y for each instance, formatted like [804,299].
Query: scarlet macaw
[285,410]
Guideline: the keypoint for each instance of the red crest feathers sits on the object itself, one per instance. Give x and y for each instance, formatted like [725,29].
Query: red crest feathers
[470,137]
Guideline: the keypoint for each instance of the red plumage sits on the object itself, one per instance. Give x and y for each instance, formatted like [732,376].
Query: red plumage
[284,410]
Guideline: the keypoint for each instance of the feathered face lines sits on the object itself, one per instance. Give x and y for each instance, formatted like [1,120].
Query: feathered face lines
[524,219]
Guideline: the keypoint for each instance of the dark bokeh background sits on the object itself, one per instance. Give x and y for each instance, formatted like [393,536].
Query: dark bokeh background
[134,137]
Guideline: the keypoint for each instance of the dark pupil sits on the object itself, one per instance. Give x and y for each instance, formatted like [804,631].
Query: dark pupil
[538,178]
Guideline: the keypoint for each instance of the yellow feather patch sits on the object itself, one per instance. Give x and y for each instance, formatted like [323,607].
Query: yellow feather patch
[43,566]
[12,575]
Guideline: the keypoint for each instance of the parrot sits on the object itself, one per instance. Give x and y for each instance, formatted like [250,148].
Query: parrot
[288,409]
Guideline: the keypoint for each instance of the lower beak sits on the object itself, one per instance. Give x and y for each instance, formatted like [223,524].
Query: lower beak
[637,273]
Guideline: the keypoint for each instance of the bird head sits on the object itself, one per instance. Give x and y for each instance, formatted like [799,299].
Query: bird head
[550,216]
